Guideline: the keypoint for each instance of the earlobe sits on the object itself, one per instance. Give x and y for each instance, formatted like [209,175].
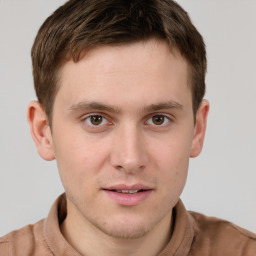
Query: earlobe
[40,130]
[200,128]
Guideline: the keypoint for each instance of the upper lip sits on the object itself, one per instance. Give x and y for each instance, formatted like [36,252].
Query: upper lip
[128,187]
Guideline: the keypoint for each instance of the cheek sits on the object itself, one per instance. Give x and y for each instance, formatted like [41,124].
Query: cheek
[79,157]
[174,171]
[172,152]
[174,177]
[172,159]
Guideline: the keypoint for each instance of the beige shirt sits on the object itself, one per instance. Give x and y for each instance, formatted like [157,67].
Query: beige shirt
[194,235]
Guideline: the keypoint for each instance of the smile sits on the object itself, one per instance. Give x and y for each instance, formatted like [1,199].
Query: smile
[128,191]
[128,195]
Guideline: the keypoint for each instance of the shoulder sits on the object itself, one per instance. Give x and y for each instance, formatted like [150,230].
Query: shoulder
[29,240]
[221,237]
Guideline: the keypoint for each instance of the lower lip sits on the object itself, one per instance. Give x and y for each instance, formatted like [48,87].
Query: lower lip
[128,199]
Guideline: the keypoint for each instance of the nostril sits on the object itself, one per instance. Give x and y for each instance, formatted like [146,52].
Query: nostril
[119,167]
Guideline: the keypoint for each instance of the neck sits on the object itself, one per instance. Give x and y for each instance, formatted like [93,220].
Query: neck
[88,240]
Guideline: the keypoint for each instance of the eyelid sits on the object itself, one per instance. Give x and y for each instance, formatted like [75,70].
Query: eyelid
[110,121]
[84,116]
[168,116]
[95,127]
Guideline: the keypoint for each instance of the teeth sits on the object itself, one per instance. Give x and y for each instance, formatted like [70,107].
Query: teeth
[127,191]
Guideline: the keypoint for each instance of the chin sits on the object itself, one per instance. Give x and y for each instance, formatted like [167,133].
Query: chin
[127,227]
[126,231]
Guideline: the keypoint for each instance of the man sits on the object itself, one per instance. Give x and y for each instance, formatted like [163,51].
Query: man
[120,87]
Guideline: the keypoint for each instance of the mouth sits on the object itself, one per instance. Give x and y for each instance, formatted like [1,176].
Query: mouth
[127,191]
[128,195]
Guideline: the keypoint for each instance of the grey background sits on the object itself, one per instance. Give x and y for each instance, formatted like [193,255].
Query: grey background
[221,180]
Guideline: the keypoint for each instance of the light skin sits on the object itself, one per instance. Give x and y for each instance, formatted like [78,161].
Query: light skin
[123,120]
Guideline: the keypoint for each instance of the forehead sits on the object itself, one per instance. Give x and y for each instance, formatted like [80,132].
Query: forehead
[149,53]
[142,71]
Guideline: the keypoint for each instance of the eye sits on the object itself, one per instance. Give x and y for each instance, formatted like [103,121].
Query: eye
[96,120]
[159,120]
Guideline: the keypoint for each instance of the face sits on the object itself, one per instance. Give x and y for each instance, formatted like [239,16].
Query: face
[122,134]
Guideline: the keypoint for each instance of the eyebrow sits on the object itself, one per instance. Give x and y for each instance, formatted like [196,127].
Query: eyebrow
[93,106]
[84,105]
[163,105]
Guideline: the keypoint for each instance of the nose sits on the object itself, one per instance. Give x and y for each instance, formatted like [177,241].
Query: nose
[129,150]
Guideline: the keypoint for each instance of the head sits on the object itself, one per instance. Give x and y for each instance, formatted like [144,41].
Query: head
[79,26]
[120,87]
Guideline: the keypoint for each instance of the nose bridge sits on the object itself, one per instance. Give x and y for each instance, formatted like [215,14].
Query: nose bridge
[129,152]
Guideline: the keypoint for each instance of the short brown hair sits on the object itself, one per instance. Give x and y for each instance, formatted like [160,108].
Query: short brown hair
[80,25]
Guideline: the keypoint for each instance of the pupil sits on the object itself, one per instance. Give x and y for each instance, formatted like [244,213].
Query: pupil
[158,120]
[96,120]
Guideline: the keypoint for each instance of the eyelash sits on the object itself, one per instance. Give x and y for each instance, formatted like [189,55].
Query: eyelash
[167,120]
[87,120]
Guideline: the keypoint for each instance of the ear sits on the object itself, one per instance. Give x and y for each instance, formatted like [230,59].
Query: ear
[40,130]
[200,128]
